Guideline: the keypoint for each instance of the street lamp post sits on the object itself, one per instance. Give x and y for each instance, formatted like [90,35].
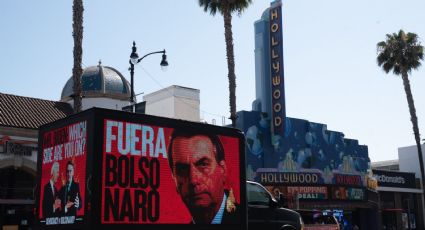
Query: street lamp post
[134,59]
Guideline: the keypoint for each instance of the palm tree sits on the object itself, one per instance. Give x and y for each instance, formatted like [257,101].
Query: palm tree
[77,33]
[226,8]
[401,53]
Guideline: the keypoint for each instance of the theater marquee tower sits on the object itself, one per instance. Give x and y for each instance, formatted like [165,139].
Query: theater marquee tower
[269,69]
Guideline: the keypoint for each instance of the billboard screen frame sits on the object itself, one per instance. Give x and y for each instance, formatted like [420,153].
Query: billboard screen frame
[95,132]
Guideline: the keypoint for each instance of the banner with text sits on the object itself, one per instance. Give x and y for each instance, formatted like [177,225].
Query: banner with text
[289,178]
[308,192]
[276,69]
[346,193]
[63,175]
[394,179]
[146,181]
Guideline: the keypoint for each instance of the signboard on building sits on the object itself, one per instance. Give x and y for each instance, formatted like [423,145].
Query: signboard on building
[276,69]
[372,183]
[300,192]
[289,178]
[10,147]
[347,179]
[394,179]
[308,192]
[136,171]
[347,193]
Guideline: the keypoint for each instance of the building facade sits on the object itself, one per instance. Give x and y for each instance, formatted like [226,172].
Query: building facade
[400,197]
[20,118]
[408,159]
[312,167]
[175,101]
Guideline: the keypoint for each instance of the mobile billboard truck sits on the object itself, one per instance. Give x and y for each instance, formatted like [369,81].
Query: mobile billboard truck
[107,169]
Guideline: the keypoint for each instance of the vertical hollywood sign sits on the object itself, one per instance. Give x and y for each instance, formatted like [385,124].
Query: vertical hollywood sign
[276,69]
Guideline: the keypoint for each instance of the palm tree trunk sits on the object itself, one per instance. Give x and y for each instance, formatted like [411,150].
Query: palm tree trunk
[414,120]
[77,33]
[230,61]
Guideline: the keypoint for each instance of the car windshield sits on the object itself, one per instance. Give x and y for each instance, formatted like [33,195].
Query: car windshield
[257,195]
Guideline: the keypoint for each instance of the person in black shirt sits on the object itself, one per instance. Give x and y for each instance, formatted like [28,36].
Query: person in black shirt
[70,193]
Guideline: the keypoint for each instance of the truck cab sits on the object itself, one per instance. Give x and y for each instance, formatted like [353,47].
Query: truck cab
[264,211]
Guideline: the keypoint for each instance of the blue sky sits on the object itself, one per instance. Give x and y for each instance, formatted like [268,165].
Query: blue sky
[331,74]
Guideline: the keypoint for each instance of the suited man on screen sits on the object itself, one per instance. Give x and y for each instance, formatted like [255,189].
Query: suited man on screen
[70,193]
[51,201]
[199,172]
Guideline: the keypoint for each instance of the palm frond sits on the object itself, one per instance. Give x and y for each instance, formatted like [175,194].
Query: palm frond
[214,6]
[399,52]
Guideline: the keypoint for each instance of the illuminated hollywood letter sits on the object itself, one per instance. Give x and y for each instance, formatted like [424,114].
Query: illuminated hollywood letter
[276,94]
[274,54]
[276,80]
[274,28]
[277,121]
[277,107]
[269,177]
[263,177]
[273,14]
[286,176]
[315,178]
[293,176]
[274,42]
[276,66]
[301,178]
[308,178]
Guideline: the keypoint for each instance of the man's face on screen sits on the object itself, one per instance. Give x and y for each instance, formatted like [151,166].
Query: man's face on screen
[199,177]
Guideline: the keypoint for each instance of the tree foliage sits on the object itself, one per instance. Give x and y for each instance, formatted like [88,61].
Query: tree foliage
[402,53]
[226,8]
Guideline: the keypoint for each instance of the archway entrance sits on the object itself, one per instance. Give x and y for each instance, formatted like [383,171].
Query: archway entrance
[16,197]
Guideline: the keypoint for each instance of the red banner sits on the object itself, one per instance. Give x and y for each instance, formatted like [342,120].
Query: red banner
[351,180]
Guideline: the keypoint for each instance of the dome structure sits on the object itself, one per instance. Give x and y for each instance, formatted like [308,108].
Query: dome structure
[100,82]
[102,87]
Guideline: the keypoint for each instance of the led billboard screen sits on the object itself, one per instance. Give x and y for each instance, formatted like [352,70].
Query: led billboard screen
[63,177]
[102,169]
[142,183]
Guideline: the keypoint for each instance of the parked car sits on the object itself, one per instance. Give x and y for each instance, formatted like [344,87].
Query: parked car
[315,220]
[265,212]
